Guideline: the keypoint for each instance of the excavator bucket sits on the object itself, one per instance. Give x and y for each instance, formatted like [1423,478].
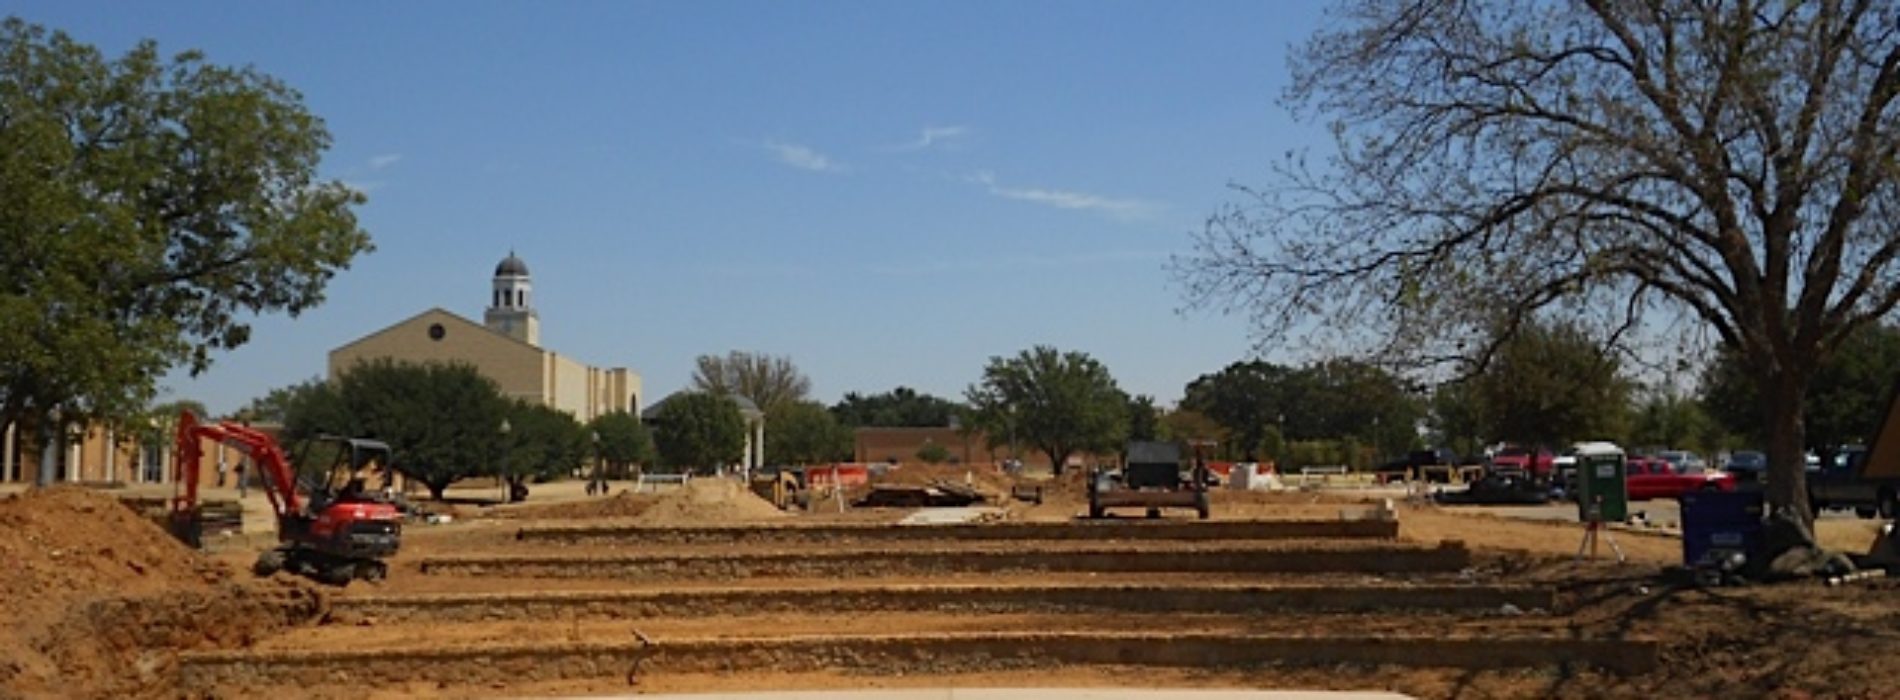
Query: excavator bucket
[189,527]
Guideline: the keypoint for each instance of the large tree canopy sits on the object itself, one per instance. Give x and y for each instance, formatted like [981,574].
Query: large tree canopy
[442,421]
[1845,403]
[804,432]
[902,407]
[765,380]
[620,441]
[149,206]
[1061,403]
[1550,385]
[699,430]
[1731,162]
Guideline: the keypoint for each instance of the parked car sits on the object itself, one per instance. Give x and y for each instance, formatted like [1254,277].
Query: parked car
[1684,461]
[1748,466]
[1651,477]
[1842,485]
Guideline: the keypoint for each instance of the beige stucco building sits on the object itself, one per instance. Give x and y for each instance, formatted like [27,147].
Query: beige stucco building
[506,348]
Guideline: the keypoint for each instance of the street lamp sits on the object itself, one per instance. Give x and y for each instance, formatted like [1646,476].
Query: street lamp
[502,468]
[598,482]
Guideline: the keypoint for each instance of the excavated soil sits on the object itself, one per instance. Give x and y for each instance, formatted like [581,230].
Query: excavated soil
[98,600]
[625,504]
[708,501]
[685,595]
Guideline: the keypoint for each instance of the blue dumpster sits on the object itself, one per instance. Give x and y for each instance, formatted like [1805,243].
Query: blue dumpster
[1721,520]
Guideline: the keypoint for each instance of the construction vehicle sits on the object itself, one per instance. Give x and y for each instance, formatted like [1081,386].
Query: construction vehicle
[781,487]
[334,531]
[1153,477]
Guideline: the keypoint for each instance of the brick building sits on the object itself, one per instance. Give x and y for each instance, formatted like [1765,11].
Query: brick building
[107,455]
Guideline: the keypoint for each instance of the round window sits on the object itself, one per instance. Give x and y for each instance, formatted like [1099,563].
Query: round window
[436,331]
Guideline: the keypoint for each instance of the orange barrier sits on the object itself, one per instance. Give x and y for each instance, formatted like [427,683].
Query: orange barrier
[844,474]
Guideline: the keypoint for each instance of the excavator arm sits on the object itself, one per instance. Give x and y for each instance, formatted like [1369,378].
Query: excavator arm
[278,477]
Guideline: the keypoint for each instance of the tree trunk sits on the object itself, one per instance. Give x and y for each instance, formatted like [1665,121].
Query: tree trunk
[1056,461]
[436,488]
[1787,478]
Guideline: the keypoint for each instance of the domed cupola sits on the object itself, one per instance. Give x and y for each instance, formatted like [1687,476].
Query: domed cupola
[511,310]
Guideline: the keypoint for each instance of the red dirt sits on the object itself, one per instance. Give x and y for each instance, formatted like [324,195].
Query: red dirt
[625,504]
[708,501]
[98,600]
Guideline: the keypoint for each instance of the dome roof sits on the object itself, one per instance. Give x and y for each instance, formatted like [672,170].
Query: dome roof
[511,266]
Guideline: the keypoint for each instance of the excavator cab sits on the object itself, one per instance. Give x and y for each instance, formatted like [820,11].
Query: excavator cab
[347,528]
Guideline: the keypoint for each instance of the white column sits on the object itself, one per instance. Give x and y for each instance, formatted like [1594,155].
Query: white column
[72,458]
[112,453]
[761,442]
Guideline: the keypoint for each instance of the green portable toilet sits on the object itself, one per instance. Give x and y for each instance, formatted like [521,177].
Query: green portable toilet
[1601,471]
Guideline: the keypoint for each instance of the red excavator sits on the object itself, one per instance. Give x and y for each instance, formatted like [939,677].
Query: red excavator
[340,531]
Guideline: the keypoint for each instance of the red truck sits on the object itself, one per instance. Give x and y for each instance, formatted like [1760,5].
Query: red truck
[1655,478]
[1536,465]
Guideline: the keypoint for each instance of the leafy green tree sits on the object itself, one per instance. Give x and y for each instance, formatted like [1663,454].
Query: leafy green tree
[1459,419]
[933,453]
[1669,420]
[1061,403]
[149,208]
[1494,162]
[765,380]
[442,421]
[623,442]
[699,430]
[902,407]
[1189,425]
[1359,403]
[1845,402]
[1144,419]
[1551,384]
[1246,399]
[804,432]
[274,406]
[542,443]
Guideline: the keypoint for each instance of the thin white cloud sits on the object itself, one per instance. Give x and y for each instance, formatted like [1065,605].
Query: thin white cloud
[1018,262]
[934,136]
[383,161]
[803,157]
[1119,208]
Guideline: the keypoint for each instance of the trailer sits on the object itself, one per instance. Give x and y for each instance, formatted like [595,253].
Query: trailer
[1153,476]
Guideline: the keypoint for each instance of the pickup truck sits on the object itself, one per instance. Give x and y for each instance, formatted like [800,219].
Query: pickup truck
[1537,465]
[1839,484]
[1649,477]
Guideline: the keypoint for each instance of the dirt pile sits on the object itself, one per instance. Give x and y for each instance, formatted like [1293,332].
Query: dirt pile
[625,504]
[98,599]
[708,502]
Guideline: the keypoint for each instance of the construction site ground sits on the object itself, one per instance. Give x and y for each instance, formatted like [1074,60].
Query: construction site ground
[710,589]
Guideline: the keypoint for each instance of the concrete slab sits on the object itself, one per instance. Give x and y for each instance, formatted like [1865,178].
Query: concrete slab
[1027,694]
[949,516]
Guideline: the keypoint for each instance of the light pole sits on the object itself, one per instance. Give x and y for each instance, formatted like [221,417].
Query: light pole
[501,469]
[598,480]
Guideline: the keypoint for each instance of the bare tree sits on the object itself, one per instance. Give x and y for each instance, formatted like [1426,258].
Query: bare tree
[1729,162]
[765,380]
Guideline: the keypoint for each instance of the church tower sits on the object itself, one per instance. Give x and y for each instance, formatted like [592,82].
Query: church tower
[511,310]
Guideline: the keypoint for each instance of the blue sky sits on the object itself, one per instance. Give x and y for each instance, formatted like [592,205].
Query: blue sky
[887,192]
